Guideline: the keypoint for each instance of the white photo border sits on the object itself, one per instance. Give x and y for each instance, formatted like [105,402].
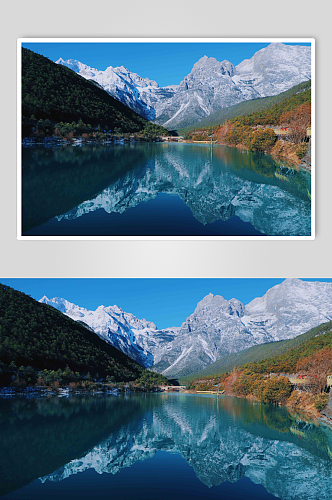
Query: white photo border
[162,40]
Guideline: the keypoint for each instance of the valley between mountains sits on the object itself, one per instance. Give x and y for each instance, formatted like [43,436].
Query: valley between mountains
[217,327]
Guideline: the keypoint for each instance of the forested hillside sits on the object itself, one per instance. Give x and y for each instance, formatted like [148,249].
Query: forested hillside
[290,112]
[264,107]
[275,356]
[38,336]
[57,100]
[308,360]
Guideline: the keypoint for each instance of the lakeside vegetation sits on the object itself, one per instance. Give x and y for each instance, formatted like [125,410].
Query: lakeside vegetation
[262,355]
[267,379]
[41,346]
[255,130]
[57,102]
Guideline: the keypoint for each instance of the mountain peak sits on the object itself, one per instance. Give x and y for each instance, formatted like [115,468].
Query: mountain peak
[122,69]
[207,299]
[212,64]
[273,45]
[220,305]
[292,281]
[205,61]
[112,309]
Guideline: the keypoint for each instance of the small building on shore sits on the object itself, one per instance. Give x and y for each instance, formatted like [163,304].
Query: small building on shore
[176,388]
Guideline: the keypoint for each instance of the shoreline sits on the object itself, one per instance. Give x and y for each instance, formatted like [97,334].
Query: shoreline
[303,164]
[44,391]
[288,157]
[55,141]
[324,416]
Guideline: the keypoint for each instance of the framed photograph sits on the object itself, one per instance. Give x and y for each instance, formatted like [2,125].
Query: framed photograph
[197,139]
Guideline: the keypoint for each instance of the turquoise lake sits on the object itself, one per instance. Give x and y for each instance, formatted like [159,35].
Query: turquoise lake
[160,446]
[161,189]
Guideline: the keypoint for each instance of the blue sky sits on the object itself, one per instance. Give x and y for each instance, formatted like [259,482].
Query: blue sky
[166,63]
[165,301]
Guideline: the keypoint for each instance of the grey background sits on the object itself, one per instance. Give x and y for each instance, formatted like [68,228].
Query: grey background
[165,18]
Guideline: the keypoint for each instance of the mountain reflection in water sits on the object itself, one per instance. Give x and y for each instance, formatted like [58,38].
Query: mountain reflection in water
[116,189]
[227,443]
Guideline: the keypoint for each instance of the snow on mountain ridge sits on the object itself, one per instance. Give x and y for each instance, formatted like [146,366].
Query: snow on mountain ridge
[272,70]
[140,94]
[217,302]
[273,313]
[62,305]
[217,326]
[138,338]
[210,86]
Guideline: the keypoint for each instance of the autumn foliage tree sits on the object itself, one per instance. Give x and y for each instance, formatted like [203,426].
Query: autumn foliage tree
[262,139]
[276,390]
[222,131]
[317,367]
[273,390]
[297,120]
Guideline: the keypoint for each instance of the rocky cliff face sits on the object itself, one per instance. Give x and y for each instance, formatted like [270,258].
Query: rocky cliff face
[216,328]
[273,68]
[210,86]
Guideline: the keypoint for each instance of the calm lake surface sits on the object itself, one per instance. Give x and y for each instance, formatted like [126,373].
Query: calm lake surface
[160,446]
[161,189]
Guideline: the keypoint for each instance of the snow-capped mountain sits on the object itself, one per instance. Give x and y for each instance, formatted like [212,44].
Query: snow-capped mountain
[216,328]
[219,327]
[209,87]
[273,68]
[137,338]
[289,309]
[213,85]
[140,94]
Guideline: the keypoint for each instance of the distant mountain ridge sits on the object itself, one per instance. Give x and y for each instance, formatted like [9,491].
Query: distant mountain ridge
[216,328]
[210,86]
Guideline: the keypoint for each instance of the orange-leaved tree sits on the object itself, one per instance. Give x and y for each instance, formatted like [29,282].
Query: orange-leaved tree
[297,120]
[317,367]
